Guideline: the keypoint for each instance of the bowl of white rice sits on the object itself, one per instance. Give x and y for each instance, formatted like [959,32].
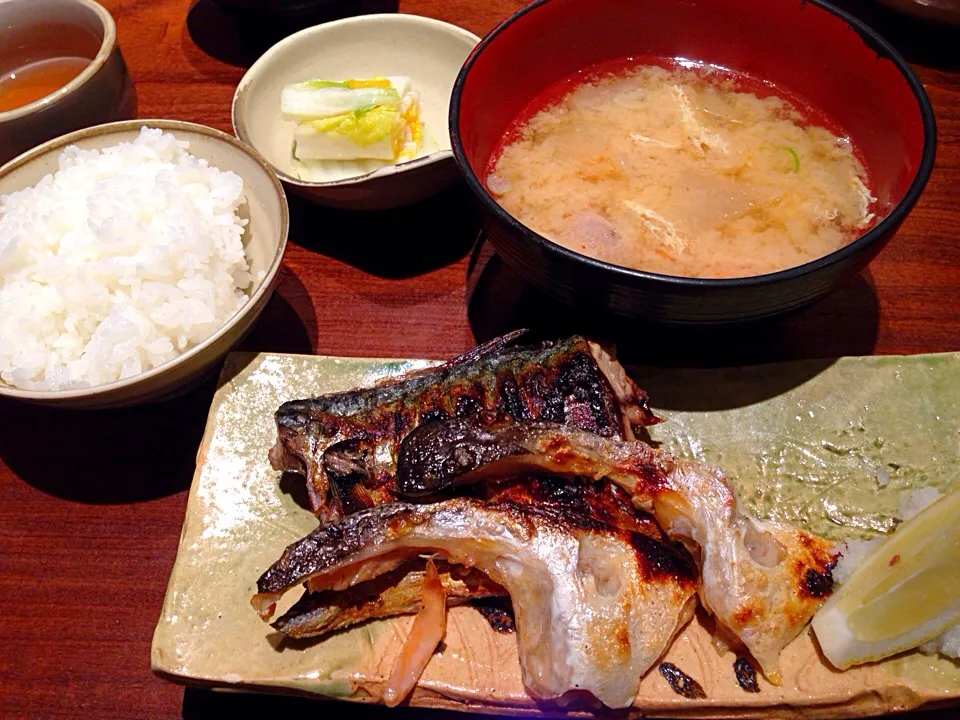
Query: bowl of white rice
[133,256]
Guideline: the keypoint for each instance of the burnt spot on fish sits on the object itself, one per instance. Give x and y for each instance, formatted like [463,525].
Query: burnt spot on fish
[617,509]
[498,612]
[534,389]
[746,675]
[659,560]
[510,402]
[467,405]
[590,504]
[681,683]
[553,408]
[820,584]
[814,572]
[581,387]
[575,504]
[559,490]
[527,500]
[598,506]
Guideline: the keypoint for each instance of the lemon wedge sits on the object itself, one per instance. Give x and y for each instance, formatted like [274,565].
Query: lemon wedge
[906,592]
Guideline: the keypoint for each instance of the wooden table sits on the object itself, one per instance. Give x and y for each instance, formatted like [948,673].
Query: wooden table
[91,504]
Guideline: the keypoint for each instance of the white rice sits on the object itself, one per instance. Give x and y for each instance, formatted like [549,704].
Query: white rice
[853,553]
[118,262]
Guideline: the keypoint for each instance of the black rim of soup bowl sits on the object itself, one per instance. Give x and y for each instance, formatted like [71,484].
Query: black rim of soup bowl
[847,255]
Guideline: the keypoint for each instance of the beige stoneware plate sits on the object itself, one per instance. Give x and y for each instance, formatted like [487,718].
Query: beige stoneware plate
[807,452]
[429,51]
[265,240]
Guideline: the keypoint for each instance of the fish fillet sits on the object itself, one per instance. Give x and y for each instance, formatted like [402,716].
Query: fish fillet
[761,580]
[346,444]
[595,605]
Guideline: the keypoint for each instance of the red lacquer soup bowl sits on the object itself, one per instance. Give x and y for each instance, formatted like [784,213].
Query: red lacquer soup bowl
[804,49]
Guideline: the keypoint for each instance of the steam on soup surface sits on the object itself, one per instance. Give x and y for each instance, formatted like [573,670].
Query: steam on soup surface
[677,172]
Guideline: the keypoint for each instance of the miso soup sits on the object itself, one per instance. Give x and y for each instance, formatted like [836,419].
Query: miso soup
[684,172]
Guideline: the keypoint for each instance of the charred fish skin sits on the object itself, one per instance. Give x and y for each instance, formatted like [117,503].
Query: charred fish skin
[761,580]
[593,505]
[346,444]
[595,605]
[307,428]
[444,454]
[441,454]
[330,543]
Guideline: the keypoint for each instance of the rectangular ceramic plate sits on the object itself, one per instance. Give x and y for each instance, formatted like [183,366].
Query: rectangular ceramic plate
[804,442]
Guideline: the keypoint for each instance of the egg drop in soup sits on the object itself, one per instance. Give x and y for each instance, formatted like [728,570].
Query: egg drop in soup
[683,172]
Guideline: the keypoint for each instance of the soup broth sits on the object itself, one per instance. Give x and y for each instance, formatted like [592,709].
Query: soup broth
[682,172]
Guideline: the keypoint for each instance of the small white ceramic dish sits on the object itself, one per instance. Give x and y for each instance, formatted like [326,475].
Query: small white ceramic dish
[265,239]
[429,51]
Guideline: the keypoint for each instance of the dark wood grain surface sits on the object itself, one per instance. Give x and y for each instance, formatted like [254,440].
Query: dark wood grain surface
[91,503]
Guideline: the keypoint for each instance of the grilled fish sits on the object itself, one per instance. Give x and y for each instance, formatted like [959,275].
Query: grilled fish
[398,592]
[346,444]
[391,594]
[762,581]
[595,605]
